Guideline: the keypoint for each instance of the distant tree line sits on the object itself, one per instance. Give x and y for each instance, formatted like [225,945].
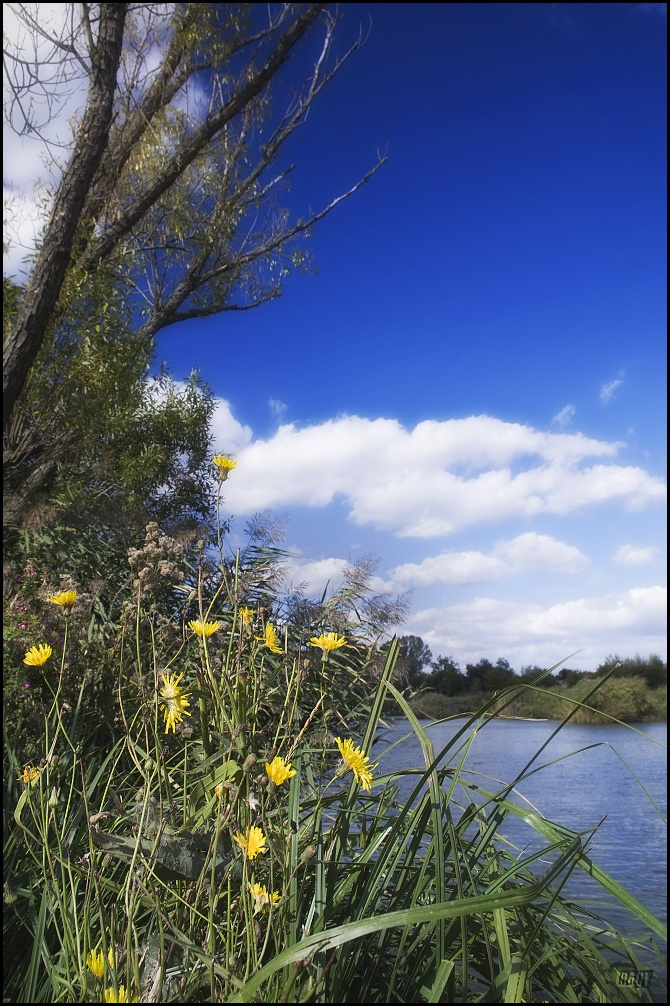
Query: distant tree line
[446,677]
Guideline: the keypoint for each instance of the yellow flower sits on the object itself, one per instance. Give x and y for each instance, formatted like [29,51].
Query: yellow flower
[328,641]
[38,655]
[263,900]
[203,629]
[95,962]
[279,771]
[122,997]
[224,464]
[246,615]
[64,598]
[252,843]
[110,958]
[271,639]
[175,702]
[356,759]
[29,775]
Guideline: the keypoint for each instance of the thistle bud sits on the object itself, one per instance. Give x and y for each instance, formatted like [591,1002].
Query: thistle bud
[10,897]
[308,854]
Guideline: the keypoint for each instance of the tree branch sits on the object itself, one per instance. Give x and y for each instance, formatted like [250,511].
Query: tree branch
[195,143]
[197,277]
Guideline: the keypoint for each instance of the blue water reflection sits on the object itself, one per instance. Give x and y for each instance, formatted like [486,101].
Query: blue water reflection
[578,792]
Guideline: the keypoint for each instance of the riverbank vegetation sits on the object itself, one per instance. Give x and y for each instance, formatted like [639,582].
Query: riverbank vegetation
[634,689]
[191,813]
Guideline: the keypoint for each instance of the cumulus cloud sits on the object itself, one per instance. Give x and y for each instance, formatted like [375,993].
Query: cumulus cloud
[315,576]
[457,568]
[229,436]
[531,552]
[565,416]
[527,552]
[437,478]
[627,622]
[629,555]
[607,390]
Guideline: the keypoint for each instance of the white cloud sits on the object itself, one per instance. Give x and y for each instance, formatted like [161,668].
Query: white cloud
[437,478]
[565,416]
[229,436]
[23,219]
[526,553]
[629,555]
[530,552]
[38,157]
[46,80]
[315,576]
[277,408]
[626,623]
[24,157]
[607,390]
[450,567]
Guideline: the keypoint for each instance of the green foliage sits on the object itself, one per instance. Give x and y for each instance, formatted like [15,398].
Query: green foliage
[487,677]
[136,847]
[147,820]
[414,654]
[652,669]
[534,673]
[96,448]
[98,452]
[446,677]
[440,705]
[446,691]
[625,699]
[566,676]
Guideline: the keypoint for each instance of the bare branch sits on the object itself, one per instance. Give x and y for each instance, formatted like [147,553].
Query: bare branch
[196,142]
[40,66]
[196,278]
[183,208]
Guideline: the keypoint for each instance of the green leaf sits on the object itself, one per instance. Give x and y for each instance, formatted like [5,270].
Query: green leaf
[182,856]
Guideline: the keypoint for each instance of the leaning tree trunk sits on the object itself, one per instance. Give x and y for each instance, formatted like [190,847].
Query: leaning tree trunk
[24,341]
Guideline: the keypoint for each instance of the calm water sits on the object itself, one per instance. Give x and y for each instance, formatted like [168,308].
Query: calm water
[577,792]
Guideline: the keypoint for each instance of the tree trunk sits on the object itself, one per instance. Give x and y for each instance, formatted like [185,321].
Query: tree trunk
[25,340]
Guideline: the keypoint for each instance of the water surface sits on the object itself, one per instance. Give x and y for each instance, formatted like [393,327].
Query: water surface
[595,783]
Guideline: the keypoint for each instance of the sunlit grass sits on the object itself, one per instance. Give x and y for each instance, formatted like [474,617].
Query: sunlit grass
[255,852]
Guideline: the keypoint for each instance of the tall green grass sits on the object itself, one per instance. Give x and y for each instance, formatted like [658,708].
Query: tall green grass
[129,842]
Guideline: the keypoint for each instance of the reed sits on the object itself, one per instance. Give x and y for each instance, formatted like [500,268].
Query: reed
[210,828]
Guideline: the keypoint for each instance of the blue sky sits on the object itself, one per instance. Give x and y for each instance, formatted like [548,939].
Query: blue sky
[472,387]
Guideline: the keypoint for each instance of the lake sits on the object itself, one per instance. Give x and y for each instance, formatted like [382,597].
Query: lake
[577,792]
